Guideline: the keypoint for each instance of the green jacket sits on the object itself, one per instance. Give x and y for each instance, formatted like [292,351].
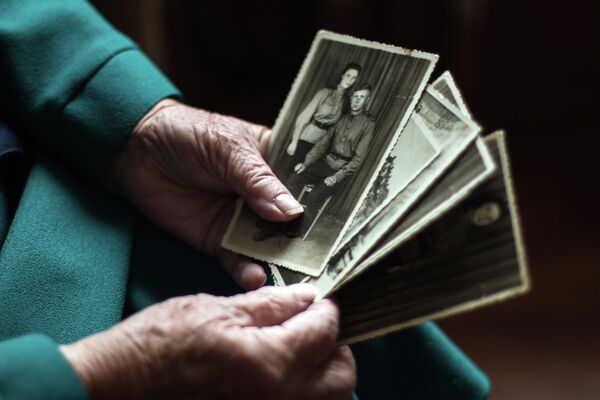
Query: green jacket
[74,259]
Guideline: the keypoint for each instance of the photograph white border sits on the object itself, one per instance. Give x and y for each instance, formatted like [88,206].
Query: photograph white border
[391,215]
[229,243]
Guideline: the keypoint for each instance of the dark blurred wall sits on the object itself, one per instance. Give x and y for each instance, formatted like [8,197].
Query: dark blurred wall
[530,67]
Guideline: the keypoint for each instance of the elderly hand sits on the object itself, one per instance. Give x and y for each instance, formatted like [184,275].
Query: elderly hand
[268,344]
[182,167]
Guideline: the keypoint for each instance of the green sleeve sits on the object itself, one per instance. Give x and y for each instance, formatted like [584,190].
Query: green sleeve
[72,83]
[32,367]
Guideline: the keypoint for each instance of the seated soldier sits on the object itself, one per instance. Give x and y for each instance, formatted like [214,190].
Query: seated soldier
[338,155]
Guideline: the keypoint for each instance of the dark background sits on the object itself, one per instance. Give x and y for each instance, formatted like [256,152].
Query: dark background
[530,67]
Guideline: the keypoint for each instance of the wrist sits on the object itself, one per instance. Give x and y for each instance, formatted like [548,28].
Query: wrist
[158,107]
[339,176]
[106,366]
[133,151]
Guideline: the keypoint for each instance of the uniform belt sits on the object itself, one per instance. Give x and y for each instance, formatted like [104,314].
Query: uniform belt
[320,125]
[346,158]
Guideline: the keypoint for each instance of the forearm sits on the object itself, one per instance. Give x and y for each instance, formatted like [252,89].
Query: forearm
[108,366]
[298,128]
[318,150]
[305,117]
[349,168]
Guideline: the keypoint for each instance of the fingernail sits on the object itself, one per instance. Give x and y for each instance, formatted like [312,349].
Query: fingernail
[305,291]
[288,204]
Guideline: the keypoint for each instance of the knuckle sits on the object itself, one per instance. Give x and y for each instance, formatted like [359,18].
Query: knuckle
[222,138]
[260,178]
[268,302]
[221,143]
[180,305]
[331,319]
[274,305]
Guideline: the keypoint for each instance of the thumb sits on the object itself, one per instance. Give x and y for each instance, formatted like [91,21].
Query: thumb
[254,180]
[272,305]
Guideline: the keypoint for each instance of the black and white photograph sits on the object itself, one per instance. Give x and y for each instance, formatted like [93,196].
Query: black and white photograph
[285,276]
[455,133]
[472,254]
[415,149]
[341,119]
[446,87]
[471,169]
[401,160]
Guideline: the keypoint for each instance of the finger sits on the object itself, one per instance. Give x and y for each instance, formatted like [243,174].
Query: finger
[254,180]
[334,379]
[262,134]
[311,335]
[233,149]
[272,305]
[246,273]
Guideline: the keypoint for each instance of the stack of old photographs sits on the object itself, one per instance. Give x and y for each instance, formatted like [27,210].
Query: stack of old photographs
[409,214]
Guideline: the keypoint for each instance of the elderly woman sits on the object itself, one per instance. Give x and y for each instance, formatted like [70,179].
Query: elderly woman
[96,114]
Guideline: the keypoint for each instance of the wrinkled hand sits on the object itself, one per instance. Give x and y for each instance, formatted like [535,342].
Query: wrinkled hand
[330,180]
[268,344]
[291,150]
[299,168]
[182,167]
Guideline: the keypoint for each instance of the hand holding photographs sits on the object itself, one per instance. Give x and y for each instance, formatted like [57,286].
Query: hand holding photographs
[386,169]
[347,108]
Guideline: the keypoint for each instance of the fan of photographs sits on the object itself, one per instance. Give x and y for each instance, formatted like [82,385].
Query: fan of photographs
[409,214]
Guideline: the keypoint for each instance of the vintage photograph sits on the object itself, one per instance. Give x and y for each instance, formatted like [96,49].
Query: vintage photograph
[447,88]
[415,149]
[285,276]
[455,133]
[473,167]
[388,184]
[341,119]
[472,255]
[470,170]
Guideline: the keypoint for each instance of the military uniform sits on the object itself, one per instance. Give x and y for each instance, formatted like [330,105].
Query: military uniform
[339,153]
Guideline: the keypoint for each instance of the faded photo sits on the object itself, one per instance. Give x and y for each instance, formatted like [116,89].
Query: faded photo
[415,149]
[341,119]
[454,133]
[471,256]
